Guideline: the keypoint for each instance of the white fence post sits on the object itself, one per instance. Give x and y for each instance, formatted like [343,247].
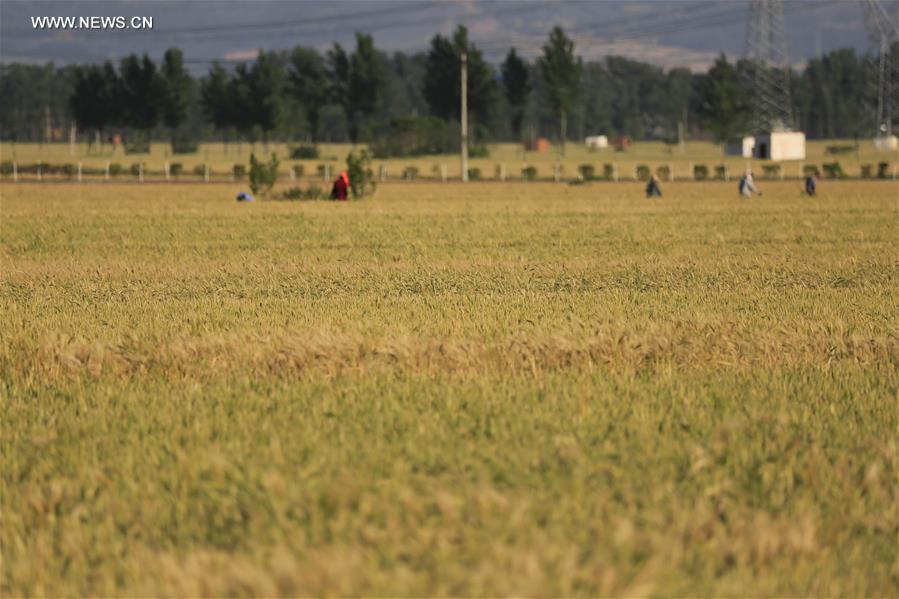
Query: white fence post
[15,171]
[615,171]
[670,172]
[39,175]
[293,175]
[79,172]
[726,172]
[801,169]
[140,172]
[443,173]
[206,173]
[502,171]
[166,170]
[107,170]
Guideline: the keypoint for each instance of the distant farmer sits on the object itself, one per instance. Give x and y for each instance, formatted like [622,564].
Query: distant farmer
[811,185]
[652,188]
[747,186]
[341,187]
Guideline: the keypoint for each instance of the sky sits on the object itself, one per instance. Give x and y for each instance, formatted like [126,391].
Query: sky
[670,33]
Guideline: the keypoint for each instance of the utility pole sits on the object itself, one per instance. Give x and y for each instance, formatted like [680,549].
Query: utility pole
[464,148]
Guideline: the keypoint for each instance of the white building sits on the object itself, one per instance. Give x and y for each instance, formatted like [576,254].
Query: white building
[780,145]
[741,147]
[886,143]
[595,142]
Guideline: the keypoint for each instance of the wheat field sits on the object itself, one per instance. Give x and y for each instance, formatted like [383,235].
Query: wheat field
[531,389]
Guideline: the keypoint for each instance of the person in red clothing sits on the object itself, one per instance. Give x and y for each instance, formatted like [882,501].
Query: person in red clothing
[341,188]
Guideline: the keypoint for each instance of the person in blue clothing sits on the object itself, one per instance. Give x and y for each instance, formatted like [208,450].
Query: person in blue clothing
[811,184]
[653,190]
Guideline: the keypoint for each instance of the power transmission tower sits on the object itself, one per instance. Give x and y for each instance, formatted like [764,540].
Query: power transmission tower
[766,51]
[883,32]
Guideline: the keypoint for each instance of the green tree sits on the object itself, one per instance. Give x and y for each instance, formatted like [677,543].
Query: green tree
[95,101]
[561,76]
[142,93]
[723,101]
[214,98]
[442,82]
[264,83]
[366,83]
[176,83]
[308,81]
[517,86]
[357,81]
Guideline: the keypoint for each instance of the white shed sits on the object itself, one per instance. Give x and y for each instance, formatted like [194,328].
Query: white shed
[741,147]
[780,145]
[595,142]
[886,143]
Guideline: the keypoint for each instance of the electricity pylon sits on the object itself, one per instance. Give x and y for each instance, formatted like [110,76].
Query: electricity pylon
[766,51]
[883,32]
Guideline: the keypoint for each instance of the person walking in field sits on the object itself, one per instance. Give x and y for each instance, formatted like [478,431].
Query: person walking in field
[653,190]
[341,187]
[811,185]
[747,186]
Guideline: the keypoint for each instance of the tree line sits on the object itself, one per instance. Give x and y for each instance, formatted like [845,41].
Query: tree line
[362,94]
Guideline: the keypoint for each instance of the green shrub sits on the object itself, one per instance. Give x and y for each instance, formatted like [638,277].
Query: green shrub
[410,173]
[474,174]
[263,175]
[116,169]
[362,179]
[608,172]
[416,136]
[833,170]
[810,169]
[479,151]
[771,171]
[304,152]
[138,147]
[643,172]
[867,171]
[69,170]
[587,172]
[6,167]
[184,145]
[721,171]
[700,172]
[239,171]
[883,169]
[314,192]
[135,169]
[298,170]
[176,168]
[663,172]
[200,170]
[529,173]
[842,149]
